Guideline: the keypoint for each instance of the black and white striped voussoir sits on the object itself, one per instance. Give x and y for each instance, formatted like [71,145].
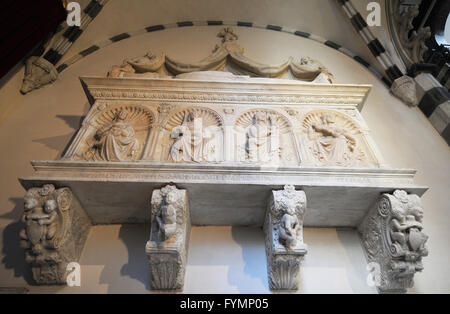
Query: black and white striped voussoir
[277,28]
[374,45]
[72,33]
[432,99]
[93,8]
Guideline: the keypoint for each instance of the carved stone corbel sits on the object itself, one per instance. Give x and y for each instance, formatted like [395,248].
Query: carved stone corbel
[56,228]
[405,88]
[283,228]
[393,239]
[169,238]
[38,72]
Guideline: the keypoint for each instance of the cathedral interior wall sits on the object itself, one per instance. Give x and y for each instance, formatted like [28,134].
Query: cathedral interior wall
[38,126]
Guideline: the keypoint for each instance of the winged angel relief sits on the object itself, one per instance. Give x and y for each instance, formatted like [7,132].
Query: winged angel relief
[228,57]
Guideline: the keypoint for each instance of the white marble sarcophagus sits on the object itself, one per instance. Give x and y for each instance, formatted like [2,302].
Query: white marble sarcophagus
[221,149]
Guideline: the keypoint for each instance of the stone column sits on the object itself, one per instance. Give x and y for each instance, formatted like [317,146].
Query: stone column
[283,228]
[169,238]
[56,228]
[393,241]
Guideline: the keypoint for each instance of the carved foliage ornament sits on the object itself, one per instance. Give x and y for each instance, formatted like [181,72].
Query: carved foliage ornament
[393,237]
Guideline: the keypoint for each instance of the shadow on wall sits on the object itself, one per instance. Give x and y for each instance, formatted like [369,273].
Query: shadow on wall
[356,270]
[337,258]
[61,143]
[253,277]
[135,266]
[13,254]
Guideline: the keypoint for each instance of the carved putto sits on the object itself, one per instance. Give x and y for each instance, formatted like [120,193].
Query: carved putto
[121,135]
[47,222]
[264,136]
[393,237]
[331,139]
[169,237]
[288,210]
[283,228]
[167,212]
[196,134]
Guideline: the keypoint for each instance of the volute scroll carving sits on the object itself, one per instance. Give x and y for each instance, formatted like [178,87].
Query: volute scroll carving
[393,237]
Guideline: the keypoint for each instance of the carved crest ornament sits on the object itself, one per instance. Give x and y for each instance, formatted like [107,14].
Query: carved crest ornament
[222,142]
[228,56]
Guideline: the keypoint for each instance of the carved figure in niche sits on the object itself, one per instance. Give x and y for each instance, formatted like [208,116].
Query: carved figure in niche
[166,217]
[288,210]
[181,149]
[195,138]
[167,206]
[264,136]
[116,140]
[258,138]
[289,225]
[332,144]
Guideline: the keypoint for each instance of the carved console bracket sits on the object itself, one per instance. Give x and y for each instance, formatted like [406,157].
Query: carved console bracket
[56,228]
[393,240]
[283,228]
[169,238]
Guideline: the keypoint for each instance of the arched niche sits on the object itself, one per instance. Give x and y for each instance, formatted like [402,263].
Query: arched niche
[116,133]
[191,134]
[264,136]
[332,138]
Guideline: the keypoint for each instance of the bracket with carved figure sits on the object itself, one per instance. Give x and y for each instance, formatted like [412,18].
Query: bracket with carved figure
[169,238]
[56,228]
[283,228]
[393,238]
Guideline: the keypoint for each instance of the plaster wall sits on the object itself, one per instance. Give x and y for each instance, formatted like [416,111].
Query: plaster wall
[221,259]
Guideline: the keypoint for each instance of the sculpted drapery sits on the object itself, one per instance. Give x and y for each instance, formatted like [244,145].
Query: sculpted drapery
[116,140]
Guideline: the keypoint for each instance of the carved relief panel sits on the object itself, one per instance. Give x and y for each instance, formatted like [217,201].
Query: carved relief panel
[119,133]
[193,134]
[265,137]
[332,138]
[174,121]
